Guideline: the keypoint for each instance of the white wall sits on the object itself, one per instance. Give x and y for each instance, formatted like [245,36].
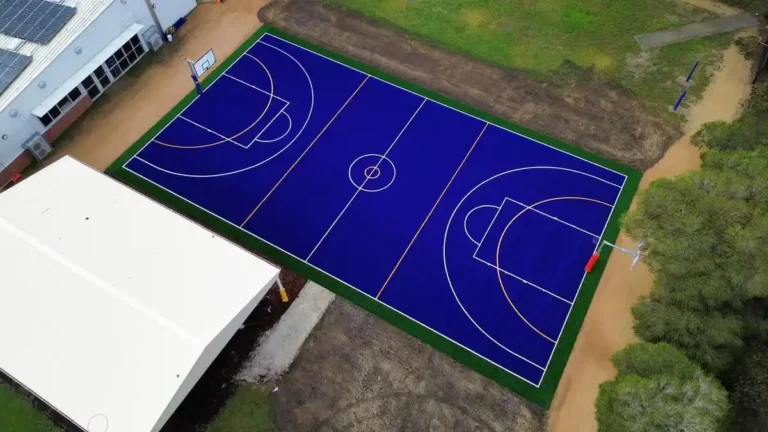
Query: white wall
[168,11]
[113,21]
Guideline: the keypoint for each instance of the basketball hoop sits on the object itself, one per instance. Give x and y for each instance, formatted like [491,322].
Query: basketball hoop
[636,254]
[199,67]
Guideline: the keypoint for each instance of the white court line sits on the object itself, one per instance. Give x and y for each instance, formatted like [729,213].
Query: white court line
[306,150]
[318,269]
[253,86]
[360,189]
[213,132]
[309,116]
[466,218]
[527,207]
[237,135]
[457,110]
[522,280]
[448,274]
[434,206]
[322,271]
[287,131]
[602,233]
[487,229]
[197,96]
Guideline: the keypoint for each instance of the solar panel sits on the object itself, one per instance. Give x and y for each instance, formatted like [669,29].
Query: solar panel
[33,20]
[11,65]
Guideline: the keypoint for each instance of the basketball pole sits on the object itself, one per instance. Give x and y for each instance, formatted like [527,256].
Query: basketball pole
[635,254]
[195,78]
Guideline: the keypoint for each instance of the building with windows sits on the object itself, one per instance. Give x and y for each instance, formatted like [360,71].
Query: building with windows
[58,57]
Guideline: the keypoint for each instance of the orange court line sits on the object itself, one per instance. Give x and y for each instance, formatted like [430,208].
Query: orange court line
[432,211]
[303,153]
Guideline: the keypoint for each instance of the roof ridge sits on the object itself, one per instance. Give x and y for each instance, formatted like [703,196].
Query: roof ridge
[110,289]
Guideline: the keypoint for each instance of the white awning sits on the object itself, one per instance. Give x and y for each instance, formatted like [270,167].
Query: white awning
[86,70]
[111,305]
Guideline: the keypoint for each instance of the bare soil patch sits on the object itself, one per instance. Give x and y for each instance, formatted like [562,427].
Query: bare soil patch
[576,106]
[355,372]
[219,382]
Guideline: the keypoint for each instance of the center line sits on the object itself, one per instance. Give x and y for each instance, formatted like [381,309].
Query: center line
[365,181]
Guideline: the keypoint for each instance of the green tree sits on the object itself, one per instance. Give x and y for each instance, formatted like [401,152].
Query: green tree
[748,384]
[748,132]
[658,389]
[707,243]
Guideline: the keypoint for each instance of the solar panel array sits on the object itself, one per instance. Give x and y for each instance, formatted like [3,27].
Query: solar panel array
[11,65]
[33,20]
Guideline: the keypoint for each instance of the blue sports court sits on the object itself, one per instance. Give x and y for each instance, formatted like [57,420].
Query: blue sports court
[474,231]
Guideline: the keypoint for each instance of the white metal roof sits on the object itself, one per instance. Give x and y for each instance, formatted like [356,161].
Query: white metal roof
[112,306]
[44,55]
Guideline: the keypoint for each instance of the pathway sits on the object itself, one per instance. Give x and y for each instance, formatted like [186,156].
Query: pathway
[608,325]
[697,30]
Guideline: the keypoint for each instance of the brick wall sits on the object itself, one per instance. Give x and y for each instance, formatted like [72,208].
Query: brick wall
[63,122]
[15,167]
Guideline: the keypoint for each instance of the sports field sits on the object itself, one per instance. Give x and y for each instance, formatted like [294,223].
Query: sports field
[454,226]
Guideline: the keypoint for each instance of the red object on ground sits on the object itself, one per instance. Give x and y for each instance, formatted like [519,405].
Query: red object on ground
[592,261]
[16,177]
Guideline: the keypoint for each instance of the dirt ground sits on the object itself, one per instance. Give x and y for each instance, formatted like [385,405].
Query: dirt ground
[219,382]
[357,373]
[608,325]
[579,107]
[138,100]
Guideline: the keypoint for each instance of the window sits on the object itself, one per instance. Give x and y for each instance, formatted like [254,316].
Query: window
[62,106]
[123,58]
[46,120]
[74,94]
[90,86]
[115,71]
[102,76]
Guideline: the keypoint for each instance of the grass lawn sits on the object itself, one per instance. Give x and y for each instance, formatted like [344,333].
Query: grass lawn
[538,35]
[248,410]
[18,414]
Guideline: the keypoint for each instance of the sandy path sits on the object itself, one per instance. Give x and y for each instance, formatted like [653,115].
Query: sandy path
[138,100]
[608,326]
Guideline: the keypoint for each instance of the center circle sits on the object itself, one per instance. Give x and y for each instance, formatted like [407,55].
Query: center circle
[372,172]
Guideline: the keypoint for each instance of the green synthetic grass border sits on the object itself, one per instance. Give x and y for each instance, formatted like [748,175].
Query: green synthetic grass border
[545,392]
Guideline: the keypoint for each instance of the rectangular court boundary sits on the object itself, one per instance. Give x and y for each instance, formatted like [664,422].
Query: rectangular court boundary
[542,394]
